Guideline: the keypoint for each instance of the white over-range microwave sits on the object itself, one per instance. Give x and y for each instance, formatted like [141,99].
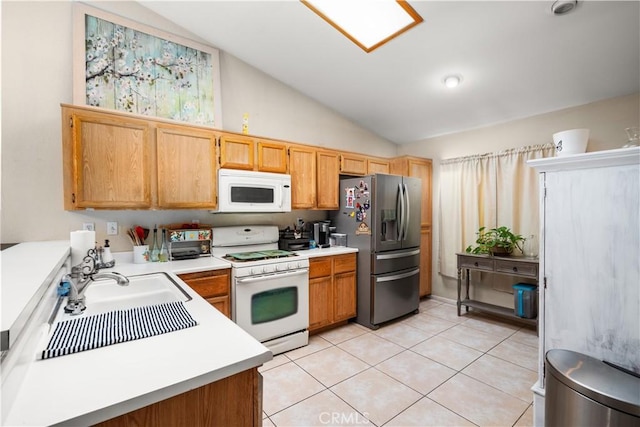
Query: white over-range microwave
[250,191]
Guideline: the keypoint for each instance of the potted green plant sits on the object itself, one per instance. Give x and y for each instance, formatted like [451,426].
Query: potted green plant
[496,241]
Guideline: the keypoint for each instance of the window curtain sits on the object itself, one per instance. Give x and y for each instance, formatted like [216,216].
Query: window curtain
[491,190]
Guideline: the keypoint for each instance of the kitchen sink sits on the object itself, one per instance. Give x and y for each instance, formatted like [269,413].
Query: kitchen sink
[105,295]
[116,314]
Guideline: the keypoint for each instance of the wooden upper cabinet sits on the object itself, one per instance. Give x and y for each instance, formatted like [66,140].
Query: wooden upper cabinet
[272,157]
[328,180]
[377,166]
[302,167]
[236,152]
[106,161]
[422,169]
[419,168]
[186,168]
[352,164]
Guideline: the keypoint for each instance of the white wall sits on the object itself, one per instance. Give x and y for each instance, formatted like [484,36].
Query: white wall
[37,77]
[606,119]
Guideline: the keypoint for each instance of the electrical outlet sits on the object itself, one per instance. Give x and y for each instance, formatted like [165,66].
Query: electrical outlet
[112,228]
[89,226]
[195,221]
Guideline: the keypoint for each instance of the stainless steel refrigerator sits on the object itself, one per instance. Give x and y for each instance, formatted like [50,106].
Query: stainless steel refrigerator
[381,216]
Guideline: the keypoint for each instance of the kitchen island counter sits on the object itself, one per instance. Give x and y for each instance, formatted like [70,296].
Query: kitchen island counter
[96,385]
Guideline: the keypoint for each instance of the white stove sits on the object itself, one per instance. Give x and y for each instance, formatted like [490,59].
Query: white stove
[269,287]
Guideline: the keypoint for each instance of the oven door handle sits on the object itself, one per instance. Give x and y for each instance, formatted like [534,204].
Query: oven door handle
[275,276]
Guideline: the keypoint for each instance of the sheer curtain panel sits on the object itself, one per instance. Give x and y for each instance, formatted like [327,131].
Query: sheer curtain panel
[490,190]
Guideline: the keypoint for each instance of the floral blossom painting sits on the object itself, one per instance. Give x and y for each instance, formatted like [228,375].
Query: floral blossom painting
[130,70]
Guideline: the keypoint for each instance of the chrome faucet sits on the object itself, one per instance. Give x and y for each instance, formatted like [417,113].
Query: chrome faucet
[81,277]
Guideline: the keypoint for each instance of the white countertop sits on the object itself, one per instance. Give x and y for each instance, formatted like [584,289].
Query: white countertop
[333,250]
[20,296]
[95,385]
[125,265]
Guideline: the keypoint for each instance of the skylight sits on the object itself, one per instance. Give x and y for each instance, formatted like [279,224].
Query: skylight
[368,23]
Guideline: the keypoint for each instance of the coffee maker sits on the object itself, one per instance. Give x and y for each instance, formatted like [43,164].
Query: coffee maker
[321,233]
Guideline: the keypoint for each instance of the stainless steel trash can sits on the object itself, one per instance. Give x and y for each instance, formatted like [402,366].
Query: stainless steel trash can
[583,391]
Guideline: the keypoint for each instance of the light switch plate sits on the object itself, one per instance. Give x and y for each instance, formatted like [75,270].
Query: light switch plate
[112,228]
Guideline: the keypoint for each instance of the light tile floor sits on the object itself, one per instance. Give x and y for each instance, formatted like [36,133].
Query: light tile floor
[430,369]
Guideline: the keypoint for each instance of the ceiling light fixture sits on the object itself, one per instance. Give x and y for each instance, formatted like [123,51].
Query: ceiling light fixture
[562,7]
[368,23]
[452,81]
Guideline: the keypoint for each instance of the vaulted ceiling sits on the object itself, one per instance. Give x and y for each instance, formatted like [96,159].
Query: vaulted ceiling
[516,59]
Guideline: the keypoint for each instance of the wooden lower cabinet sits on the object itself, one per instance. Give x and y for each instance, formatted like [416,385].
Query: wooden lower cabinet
[212,285]
[231,401]
[332,290]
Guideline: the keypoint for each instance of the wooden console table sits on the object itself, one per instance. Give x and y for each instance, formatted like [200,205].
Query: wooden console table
[511,265]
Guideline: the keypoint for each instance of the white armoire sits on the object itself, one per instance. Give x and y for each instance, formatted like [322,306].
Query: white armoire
[589,259]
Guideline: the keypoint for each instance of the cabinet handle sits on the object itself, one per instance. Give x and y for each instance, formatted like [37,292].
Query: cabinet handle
[515,269]
[475,263]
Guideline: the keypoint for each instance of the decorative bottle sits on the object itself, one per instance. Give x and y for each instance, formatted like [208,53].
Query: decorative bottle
[155,249]
[164,253]
[107,257]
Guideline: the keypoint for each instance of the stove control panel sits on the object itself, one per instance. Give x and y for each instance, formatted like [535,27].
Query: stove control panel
[257,269]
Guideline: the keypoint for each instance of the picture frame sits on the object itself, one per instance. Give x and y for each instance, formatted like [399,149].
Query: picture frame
[127,66]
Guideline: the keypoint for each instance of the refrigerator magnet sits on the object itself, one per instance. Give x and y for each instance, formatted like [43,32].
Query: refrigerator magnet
[363,228]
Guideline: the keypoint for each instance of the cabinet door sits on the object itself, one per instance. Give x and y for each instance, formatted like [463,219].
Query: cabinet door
[186,160]
[377,166]
[328,180]
[236,152]
[302,167]
[425,261]
[351,164]
[109,162]
[422,169]
[221,304]
[344,296]
[320,302]
[272,157]
[213,285]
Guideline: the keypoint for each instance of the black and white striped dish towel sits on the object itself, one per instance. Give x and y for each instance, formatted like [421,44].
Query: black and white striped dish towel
[100,330]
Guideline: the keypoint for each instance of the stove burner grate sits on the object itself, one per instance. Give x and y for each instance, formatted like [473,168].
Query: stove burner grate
[258,255]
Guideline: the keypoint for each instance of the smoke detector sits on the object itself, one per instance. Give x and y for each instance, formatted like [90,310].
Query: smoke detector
[562,7]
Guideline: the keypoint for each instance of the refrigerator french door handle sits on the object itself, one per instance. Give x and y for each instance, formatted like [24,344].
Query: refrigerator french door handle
[401,255]
[400,214]
[398,276]
[407,212]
